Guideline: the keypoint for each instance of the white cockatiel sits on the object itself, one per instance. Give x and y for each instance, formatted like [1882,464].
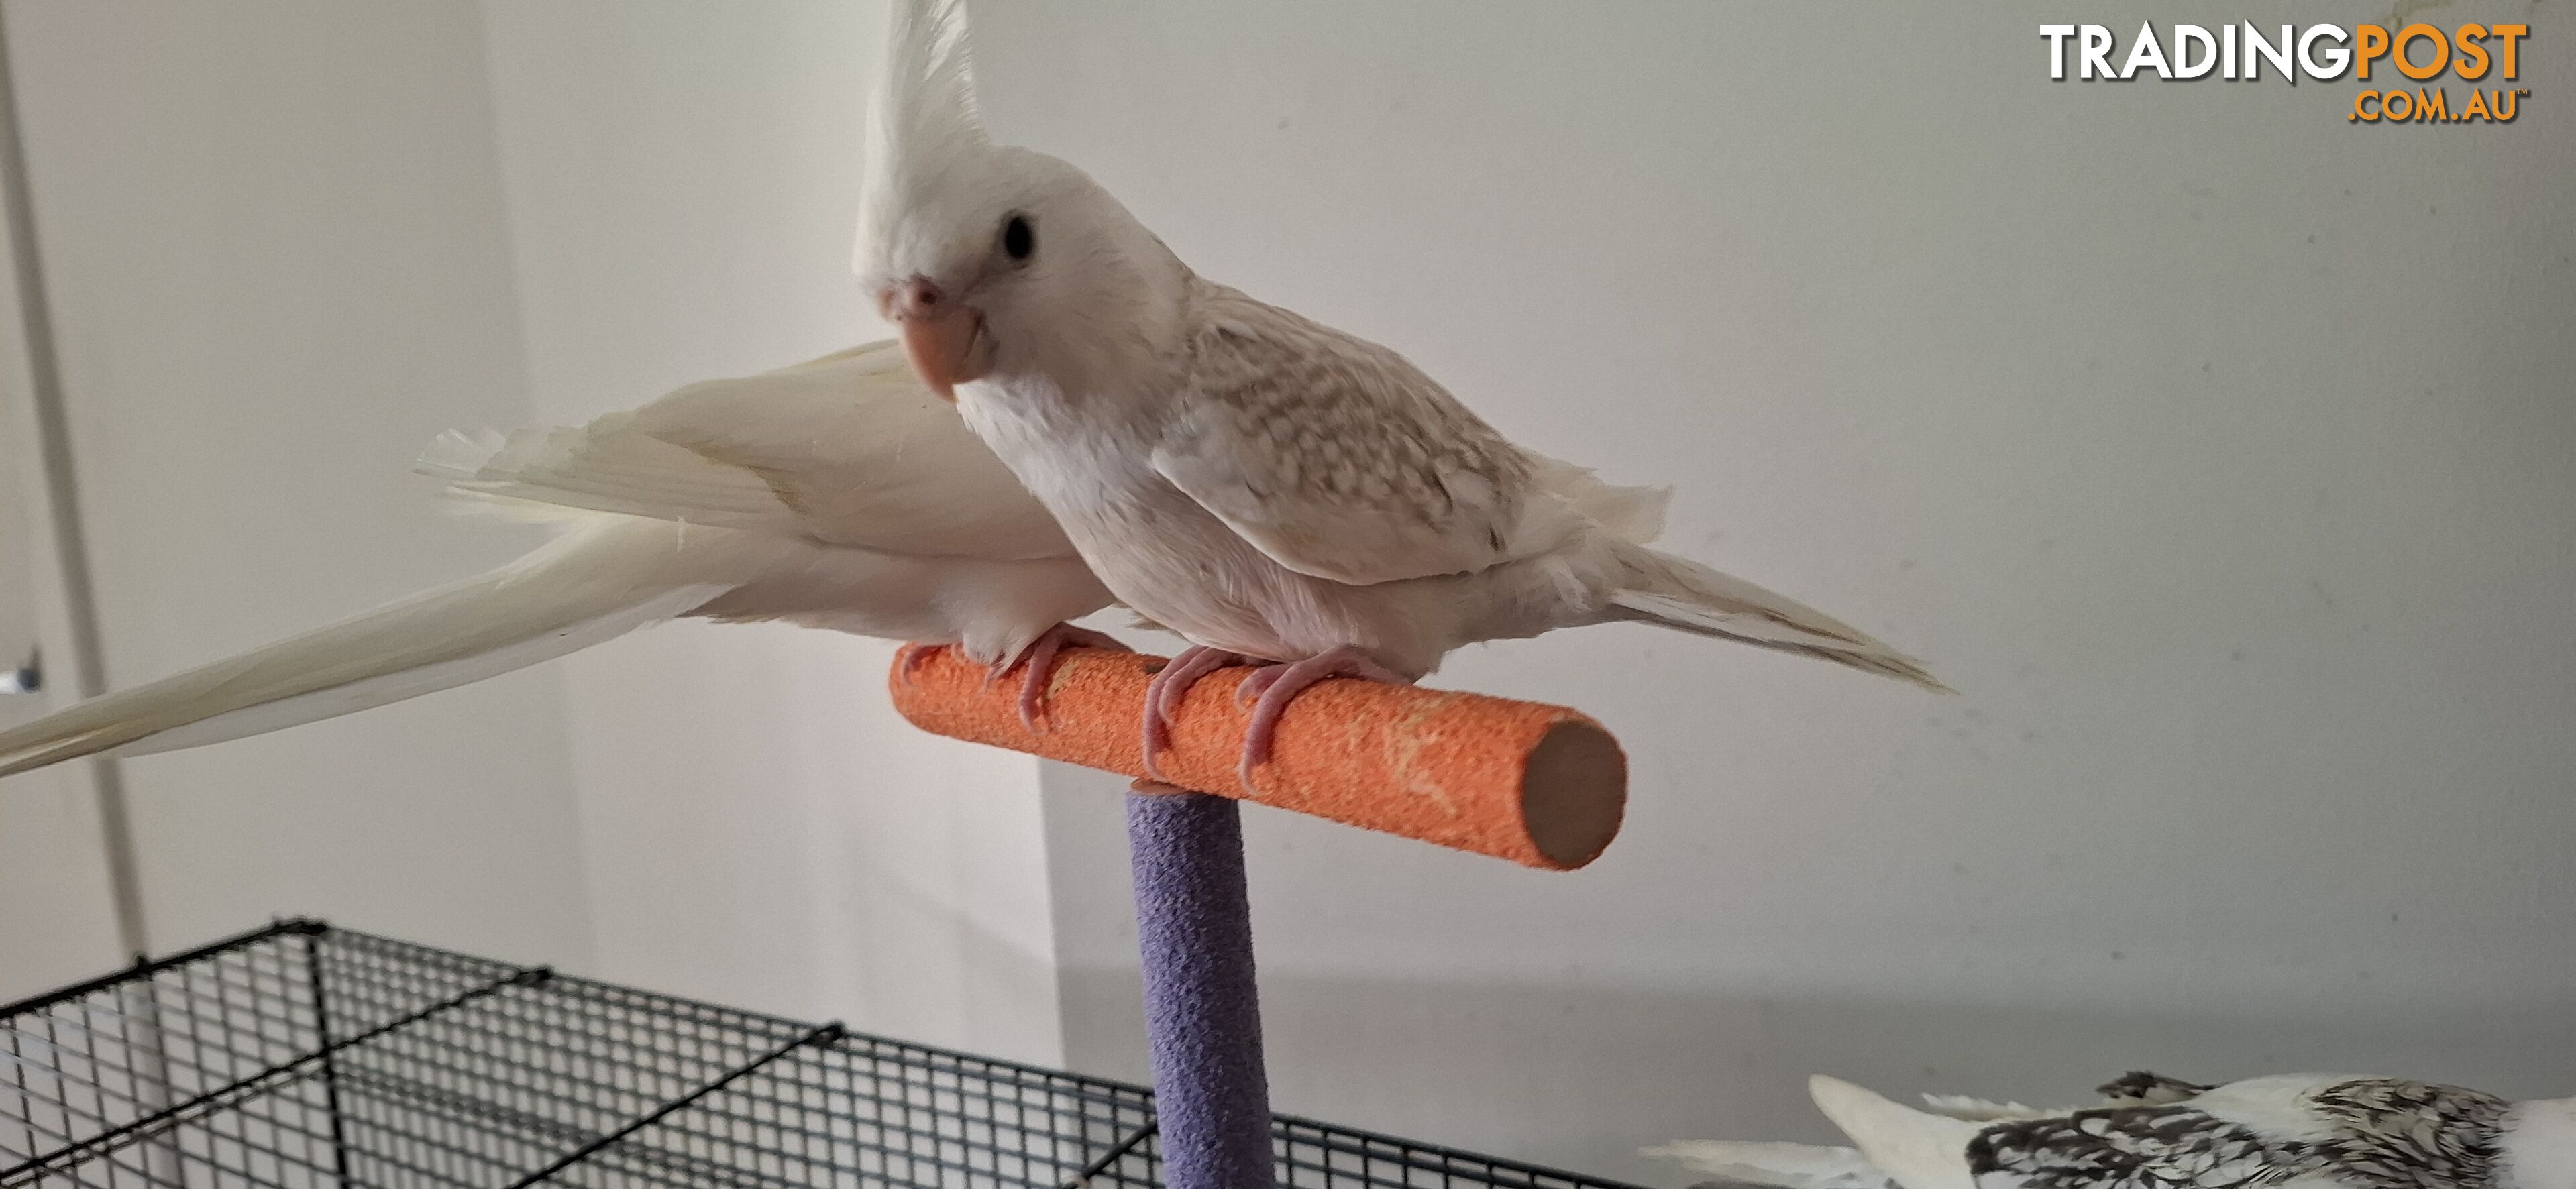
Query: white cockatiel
[1276,491]
[835,494]
[2296,1131]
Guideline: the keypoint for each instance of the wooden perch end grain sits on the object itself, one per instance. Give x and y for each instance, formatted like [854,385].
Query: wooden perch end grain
[1542,786]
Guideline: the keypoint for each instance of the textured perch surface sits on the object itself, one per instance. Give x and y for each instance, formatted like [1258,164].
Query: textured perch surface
[1542,786]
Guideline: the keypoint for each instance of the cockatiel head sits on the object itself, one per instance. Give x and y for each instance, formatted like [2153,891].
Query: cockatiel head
[992,260]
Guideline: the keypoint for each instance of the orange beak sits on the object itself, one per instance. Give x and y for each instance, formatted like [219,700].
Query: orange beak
[944,340]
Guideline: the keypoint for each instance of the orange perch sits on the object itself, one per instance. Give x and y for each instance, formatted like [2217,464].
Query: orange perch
[1542,786]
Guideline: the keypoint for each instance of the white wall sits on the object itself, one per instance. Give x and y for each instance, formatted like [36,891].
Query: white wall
[274,243]
[2219,451]
[57,910]
[58,918]
[760,827]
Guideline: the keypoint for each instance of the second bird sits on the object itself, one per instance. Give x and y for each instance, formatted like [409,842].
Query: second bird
[1278,492]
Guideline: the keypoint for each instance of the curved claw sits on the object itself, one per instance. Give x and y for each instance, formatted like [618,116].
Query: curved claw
[1163,696]
[1280,685]
[1255,683]
[911,657]
[1039,658]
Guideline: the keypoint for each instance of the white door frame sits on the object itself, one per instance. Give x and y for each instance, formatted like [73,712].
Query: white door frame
[37,438]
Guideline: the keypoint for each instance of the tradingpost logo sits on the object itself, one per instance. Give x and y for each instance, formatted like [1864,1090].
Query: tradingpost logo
[2411,63]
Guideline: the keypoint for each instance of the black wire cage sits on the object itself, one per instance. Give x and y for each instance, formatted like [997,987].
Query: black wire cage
[305,1056]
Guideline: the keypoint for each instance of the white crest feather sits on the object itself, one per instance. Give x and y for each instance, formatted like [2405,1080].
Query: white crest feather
[925,123]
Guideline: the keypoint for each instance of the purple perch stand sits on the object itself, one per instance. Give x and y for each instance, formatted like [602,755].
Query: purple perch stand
[1202,1011]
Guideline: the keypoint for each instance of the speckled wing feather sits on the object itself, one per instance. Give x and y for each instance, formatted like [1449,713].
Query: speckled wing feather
[2140,1087]
[2391,1133]
[2368,1133]
[2123,1148]
[1340,460]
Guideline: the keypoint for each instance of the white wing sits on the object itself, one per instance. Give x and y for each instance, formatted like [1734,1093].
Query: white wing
[1980,1110]
[1339,460]
[1782,1166]
[1918,1149]
[849,449]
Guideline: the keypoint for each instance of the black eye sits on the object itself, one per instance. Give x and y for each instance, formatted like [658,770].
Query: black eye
[1018,238]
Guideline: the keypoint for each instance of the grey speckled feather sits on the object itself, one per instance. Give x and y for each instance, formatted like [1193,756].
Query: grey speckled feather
[2372,1133]
[2141,1088]
[2304,1131]
[1340,459]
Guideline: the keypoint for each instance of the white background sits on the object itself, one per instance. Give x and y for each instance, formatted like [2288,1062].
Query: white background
[2221,452]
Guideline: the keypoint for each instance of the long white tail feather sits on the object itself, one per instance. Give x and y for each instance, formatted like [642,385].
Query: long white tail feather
[586,587]
[389,688]
[1919,1149]
[1786,1166]
[1683,594]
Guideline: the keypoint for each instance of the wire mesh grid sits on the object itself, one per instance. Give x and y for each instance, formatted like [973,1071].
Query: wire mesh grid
[304,1056]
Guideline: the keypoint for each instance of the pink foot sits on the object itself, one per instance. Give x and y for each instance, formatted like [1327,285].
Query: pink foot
[1248,689]
[1163,695]
[1280,684]
[911,657]
[1039,657]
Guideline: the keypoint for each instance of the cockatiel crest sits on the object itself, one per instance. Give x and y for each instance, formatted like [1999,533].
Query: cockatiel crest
[951,227]
[925,129]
